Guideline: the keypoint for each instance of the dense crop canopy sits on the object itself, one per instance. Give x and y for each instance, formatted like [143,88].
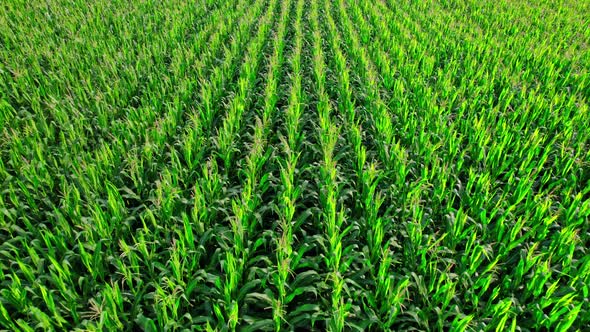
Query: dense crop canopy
[279,165]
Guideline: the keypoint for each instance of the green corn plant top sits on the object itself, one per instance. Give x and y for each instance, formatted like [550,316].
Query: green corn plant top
[295,165]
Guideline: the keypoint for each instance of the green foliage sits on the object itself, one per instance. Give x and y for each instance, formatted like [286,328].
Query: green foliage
[268,165]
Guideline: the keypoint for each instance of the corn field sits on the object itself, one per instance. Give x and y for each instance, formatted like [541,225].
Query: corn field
[295,165]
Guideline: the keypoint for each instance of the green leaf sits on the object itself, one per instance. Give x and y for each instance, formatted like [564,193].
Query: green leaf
[145,323]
